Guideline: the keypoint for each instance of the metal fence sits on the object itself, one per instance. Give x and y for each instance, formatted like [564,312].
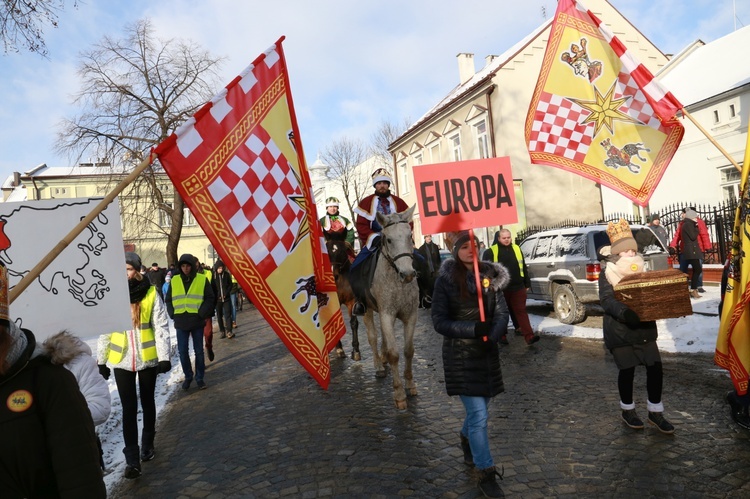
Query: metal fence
[719,220]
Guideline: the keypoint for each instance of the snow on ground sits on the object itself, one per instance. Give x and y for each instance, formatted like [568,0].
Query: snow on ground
[691,334]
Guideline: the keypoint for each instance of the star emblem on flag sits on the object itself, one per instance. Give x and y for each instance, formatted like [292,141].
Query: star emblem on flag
[605,109]
[304,224]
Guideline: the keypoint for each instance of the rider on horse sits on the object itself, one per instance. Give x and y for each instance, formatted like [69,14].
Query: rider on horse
[337,227]
[369,229]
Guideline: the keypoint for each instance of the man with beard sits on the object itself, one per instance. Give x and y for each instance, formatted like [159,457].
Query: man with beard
[369,229]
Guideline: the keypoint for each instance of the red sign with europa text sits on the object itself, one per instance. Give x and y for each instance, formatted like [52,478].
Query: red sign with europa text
[465,195]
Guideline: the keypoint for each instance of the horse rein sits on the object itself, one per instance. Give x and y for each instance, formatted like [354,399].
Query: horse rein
[386,254]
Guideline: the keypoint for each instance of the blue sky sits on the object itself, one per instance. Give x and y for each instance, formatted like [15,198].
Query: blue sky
[352,64]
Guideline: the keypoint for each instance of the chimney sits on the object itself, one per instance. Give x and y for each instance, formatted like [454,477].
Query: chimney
[465,66]
[488,60]
[16,179]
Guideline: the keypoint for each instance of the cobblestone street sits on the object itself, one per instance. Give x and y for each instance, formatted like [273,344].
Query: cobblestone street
[264,428]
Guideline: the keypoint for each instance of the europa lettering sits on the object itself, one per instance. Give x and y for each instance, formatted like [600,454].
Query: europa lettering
[458,195]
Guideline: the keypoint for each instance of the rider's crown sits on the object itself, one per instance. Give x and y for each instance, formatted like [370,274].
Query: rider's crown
[381,175]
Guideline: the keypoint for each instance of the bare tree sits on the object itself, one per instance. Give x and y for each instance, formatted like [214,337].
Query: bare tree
[343,156]
[22,23]
[386,133]
[135,92]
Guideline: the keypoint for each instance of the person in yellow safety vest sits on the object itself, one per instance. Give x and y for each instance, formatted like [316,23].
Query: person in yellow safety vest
[190,301]
[510,256]
[142,352]
[208,325]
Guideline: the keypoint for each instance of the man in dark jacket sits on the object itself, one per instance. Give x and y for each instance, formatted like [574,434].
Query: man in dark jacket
[222,287]
[49,444]
[510,256]
[431,254]
[157,277]
[189,314]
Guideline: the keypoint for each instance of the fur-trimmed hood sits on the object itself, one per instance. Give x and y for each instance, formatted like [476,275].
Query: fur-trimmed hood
[64,347]
[498,274]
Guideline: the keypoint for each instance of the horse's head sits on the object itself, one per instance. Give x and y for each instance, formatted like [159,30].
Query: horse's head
[396,242]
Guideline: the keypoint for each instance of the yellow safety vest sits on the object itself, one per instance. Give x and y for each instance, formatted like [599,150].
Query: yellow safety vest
[119,339]
[208,274]
[190,302]
[516,249]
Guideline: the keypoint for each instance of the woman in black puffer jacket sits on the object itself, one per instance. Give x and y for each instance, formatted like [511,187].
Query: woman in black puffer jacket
[471,359]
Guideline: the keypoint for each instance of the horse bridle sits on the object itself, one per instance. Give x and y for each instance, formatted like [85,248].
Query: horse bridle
[392,261]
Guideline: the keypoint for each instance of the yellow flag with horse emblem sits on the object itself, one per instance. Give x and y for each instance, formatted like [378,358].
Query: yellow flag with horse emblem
[733,342]
[239,166]
[597,112]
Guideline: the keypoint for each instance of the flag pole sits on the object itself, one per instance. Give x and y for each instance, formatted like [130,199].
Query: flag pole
[711,139]
[50,257]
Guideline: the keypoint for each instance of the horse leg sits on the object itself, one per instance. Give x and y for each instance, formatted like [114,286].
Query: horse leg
[340,350]
[409,326]
[387,326]
[372,338]
[354,323]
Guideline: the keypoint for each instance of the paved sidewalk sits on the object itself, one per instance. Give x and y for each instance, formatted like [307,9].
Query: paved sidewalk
[264,428]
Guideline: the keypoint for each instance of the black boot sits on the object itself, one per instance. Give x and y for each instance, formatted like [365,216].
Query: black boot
[147,446]
[132,462]
[468,458]
[739,411]
[488,484]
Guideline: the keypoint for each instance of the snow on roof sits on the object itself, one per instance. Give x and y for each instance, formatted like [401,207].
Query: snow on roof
[478,77]
[18,194]
[710,70]
[73,171]
[8,183]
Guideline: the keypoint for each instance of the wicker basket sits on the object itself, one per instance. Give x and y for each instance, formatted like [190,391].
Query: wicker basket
[659,294]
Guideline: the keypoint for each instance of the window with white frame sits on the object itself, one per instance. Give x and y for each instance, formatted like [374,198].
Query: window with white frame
[732,111]
[403,178]
[435,153]
[166,221]
[455,142]
[730,183]
[480,131]
[418,159]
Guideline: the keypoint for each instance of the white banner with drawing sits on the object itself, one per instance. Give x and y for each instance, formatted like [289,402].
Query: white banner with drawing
[85,289]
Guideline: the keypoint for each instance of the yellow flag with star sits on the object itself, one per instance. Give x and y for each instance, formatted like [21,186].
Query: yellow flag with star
[733,341]
[598,112]
[239,166]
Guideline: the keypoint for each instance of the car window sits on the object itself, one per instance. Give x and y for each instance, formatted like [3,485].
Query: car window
[527,247]
[600,239]
[572,245]
[546,247]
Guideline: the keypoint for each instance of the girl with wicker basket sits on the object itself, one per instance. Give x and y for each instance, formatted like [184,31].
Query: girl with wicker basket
[631,341]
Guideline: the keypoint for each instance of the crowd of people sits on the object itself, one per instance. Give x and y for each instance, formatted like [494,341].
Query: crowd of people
[62,377]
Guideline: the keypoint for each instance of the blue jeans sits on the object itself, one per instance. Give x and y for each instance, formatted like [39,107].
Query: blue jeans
[183,337]
[475,428]
[233,299]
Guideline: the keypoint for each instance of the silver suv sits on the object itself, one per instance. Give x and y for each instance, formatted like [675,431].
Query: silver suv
[564,265]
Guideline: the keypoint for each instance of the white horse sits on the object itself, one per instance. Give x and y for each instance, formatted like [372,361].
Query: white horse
[394,288]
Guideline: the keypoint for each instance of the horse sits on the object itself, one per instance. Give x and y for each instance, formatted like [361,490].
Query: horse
[338,254]
[394,294]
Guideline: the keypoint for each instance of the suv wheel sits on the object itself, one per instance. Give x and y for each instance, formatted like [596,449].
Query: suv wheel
[567,305]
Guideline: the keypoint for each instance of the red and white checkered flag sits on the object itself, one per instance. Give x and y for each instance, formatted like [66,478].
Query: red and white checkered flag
[597,112]
[239,166]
